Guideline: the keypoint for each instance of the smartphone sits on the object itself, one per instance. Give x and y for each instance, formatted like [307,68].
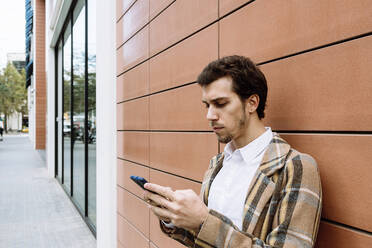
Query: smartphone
[140,181]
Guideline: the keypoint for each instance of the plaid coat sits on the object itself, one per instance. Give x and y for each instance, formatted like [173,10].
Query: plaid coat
[282,207]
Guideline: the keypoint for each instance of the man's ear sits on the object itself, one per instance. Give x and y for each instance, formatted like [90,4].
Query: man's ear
[251,103]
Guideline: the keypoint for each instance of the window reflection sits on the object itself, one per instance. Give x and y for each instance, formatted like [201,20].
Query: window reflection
[78,89]
[92,110]
[67,108]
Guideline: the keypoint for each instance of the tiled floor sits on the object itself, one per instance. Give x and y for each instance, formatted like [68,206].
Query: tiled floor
[34,210]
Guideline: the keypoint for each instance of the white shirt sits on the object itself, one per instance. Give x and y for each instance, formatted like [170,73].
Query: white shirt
[230,187]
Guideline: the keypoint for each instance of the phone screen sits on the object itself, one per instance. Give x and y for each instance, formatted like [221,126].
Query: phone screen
[140,181]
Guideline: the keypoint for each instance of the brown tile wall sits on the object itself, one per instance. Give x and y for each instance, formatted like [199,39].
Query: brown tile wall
[316,56]
[40,75]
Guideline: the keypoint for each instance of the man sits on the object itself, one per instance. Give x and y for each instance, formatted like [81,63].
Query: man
[1,130]
[259,192]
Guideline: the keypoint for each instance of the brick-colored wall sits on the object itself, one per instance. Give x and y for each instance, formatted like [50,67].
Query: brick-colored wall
[316,56]
[40,75]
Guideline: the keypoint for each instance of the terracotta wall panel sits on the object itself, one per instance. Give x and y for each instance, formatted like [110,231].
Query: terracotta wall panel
[331,235]
[133,83]
[182,63]
[136,17]
[182,18]
[119,60]
[133,115]
[265,30]
[229,5]
[185,154]
[120,245]
[179,109]
[344,163]
[129,236]
[327,89]
[122,6]
[156,6]
[158,237]
[134,146]
[134,51]
[175,182]
[133,209]
[126,169]
[152,245]
[119,33]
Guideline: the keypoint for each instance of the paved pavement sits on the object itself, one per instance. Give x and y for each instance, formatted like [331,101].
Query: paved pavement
[34,210]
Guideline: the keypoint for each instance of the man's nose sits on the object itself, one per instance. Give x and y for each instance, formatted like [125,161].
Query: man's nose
[211,114]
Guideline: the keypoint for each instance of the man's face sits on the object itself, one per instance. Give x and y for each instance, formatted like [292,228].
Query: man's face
[226,113]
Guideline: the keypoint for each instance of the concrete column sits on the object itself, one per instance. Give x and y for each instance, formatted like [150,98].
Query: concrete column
[106,124]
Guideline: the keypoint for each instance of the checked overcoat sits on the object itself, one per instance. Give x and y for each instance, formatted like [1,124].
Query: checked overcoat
[282,206]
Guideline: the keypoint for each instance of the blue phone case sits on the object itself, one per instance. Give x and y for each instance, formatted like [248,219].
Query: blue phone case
[140,181]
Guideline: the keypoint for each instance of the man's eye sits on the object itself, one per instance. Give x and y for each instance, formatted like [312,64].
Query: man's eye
[206,105]
[220,105]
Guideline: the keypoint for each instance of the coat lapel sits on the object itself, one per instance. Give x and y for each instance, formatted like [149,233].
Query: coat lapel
[214,167]
[262,186]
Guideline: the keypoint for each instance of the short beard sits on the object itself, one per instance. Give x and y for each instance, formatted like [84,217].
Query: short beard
[229,137]
[225,140]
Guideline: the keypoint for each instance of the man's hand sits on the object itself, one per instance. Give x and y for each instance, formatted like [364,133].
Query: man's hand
[183,208]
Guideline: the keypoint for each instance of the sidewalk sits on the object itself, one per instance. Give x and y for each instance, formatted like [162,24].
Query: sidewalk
[34,210]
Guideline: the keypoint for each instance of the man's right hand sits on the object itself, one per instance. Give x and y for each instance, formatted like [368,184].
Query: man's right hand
[183,208]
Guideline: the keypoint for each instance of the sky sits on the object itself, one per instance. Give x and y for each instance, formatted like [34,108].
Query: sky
[12,28]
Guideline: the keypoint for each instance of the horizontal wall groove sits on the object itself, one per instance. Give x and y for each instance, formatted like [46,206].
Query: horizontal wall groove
[172,45]
[360,36]
[157,92]
[130,37]
[305,132]
[132,224]
[324,132]
[165,172]
[158,14]
[133,162]
[165,131]
[147,23]
[234,10]
[348,227]
[122,15]
[131,194]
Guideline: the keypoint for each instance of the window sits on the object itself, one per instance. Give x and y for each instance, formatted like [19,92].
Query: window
[76,109]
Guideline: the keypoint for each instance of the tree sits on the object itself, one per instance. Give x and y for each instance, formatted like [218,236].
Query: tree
[13,95]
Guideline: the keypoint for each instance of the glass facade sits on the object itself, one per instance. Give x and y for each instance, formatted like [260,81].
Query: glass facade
[91,113]
[76,109]
[67,108]
[78,99]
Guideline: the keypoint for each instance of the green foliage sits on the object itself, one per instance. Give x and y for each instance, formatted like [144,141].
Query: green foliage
[13,94]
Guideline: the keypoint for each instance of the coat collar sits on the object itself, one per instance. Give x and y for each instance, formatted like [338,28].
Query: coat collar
[273,159]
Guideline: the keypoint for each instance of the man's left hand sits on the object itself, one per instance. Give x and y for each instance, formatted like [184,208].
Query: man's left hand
[183,208]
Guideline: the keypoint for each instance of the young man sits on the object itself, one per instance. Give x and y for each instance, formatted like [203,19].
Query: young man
[259,192]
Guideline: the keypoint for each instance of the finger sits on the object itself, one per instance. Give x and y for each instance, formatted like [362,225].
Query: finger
[166,192]
[162,213]
[158,200]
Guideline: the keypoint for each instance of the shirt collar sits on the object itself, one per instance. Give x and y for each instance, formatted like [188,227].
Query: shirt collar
[253,149]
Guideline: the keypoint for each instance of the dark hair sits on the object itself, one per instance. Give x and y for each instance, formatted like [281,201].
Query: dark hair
[246,77]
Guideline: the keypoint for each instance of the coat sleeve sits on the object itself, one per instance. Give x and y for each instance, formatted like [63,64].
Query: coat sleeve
[296,219]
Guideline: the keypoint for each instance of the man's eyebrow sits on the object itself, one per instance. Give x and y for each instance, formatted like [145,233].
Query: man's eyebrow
[215,99]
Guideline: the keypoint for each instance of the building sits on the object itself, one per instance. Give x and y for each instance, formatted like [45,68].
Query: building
[18,60]
[141,107]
